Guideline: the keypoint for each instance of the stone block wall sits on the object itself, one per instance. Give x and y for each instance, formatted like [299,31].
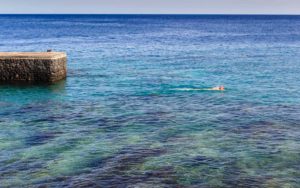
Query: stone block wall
[32,67]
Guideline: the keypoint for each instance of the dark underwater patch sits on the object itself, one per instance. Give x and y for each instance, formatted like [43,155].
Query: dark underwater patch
[199,160]
[41,138]
[117,171]
[15,167]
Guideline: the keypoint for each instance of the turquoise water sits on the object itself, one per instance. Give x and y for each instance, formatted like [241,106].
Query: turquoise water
[121,120]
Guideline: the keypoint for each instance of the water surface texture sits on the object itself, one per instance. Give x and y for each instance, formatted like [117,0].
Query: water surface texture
[122,119]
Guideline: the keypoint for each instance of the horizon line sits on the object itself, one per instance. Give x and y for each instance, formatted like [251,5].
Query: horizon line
[154,14]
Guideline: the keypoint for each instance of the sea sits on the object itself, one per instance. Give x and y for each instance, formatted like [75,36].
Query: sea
[131,112]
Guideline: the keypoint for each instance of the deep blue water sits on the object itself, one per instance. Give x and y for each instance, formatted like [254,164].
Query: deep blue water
[121,120]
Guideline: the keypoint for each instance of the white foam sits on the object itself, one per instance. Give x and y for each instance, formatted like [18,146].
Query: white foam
[190,89]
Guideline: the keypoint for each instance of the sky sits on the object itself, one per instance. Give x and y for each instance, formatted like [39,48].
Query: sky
[150,6]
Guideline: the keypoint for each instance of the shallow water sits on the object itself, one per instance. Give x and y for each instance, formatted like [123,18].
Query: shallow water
[123,118]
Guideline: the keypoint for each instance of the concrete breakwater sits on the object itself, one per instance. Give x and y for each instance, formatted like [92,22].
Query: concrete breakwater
[32,67]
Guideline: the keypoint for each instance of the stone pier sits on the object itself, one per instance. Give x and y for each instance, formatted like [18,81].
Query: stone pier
[32,67]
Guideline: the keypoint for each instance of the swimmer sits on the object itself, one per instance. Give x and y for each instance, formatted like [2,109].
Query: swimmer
[217,88]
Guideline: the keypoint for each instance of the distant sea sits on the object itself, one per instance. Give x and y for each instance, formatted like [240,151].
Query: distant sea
[123,119]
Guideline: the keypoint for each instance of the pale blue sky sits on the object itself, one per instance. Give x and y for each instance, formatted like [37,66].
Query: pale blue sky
[152,6]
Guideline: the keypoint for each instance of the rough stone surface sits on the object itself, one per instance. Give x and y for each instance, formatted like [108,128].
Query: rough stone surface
[32,67]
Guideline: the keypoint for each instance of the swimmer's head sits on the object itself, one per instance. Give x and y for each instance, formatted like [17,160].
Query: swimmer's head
[222,88]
